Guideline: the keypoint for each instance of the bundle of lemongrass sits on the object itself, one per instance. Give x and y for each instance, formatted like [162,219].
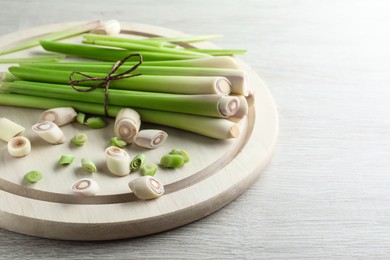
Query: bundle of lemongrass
[186,88]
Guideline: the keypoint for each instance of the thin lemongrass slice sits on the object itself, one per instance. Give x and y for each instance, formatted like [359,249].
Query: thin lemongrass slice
[80,118]
[146,187]
[93,37]
[153,82]
[139,47]
[218,128]
[88,165]
[183,153]
[19,146]
[79,139]
[118,161]
[108,54]
[149,169]
[9,129]
[111,27]
[66,159]
[172,161]
[138,162]
[49,132]
[198,38]
[33,176]
[115,141]
[38,58]
[150,138]
[212,105]
[127,124]
[60,115]
[86,187]
[62,34]
[218,52]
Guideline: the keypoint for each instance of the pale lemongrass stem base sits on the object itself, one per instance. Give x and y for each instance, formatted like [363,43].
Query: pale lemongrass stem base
[9,129]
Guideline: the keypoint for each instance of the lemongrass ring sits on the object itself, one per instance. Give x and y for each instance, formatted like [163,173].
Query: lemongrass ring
[9,129]
[127,124]
[88,165]
[228,105]
[172,161]
[19,146]
[79,139]
[49,132]
[137,162]
[146,187]
[60,115]
[150,138]
[86,187]
[117,160]
[149,169]
[33,176]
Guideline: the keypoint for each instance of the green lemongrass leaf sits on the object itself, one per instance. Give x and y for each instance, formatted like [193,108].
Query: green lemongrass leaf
[217,128]
[61,34]
[198,38]
[38,58]
[90,36]
[218,52]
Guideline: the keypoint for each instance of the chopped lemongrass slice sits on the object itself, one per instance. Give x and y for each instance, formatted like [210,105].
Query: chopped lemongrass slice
[146,187]
[183,153]
[88,165]
[127,124]
[9,129]
[49,132]
[149,169]
[80,118]
[33,176]
[66,159]
[95,122]
[111,27]
[79,139]
[150,138]
[19,146]
[115,141]
[65,33]
[198,38]
[60,115]
[172,161]
[86,187]
[44,58]
[137,162]
[117,160]
[218,52]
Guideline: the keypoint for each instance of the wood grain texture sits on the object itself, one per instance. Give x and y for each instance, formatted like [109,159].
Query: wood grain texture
[326,192]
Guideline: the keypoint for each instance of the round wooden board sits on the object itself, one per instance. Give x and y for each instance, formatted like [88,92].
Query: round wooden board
[219,171]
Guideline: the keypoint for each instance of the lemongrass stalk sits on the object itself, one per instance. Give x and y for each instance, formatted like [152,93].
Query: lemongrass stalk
[146,187]
[57,35]
[60,115]
[38,58]
[139,47]
[237,78]
[210,62]
[207,105]
[111,27]
[19,146]
[108,54]
[92,37]
[86,187]
[198,38]
[7,77]
[49,132]
[181,84]
[150,138]
[9,129]
[242,110]
[33,176]
[217,128]
[218,52]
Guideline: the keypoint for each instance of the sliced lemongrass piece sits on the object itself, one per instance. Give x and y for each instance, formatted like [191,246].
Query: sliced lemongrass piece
[57,35]
[79,139]
[86,187]
[150,138]
[137,162]
[115,141]
[146,187]
[111,27]
[95,122]
[60,115]
[66,159]
[117,160]
[127,124]
[108,54]
[80,118]
[33,176]
[19,146]
[93,37]
[218,52]
[88,165]
[218,128]
[198,38]
[9,129]
[183,153]
[38,58]
[172,161]
[149,169]
[242,110]
[49,132]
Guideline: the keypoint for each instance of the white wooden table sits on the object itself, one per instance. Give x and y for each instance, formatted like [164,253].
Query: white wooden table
[326,192]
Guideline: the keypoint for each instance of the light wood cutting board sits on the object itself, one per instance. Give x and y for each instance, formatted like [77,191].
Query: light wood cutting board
[219,171]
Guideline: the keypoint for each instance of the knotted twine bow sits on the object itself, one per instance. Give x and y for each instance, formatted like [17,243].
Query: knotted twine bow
[107,79]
